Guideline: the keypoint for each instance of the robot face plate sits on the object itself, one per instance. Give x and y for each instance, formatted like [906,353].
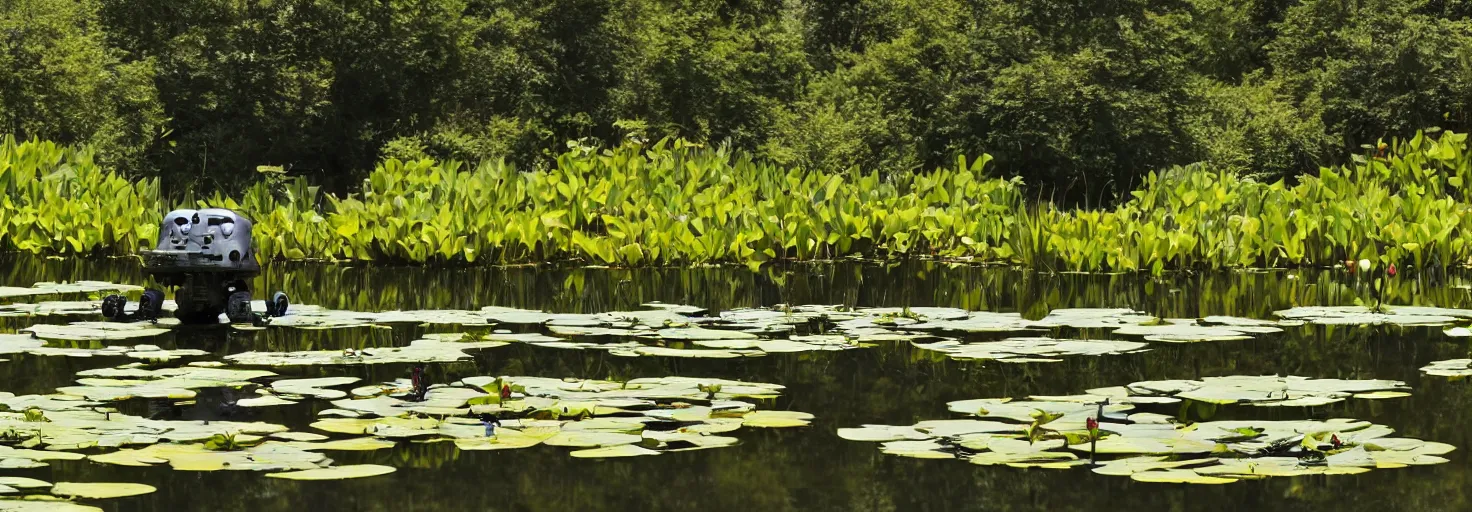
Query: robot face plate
[215,233]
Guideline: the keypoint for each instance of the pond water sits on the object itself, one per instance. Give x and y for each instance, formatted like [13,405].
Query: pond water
[807,468]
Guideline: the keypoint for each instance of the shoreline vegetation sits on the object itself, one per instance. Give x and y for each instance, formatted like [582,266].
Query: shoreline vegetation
[674,202]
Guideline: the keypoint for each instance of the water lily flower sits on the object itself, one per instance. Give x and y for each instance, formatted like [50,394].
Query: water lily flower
[505,392]
[1092,424]
[1364,265]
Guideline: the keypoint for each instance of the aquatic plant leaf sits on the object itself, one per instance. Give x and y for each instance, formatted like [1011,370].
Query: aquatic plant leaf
[353,444]
[1019,349]
[590,439]
[1094,318]
[94,331]
[1449,368]
[298,436]
[20,482]
[1360,315]
[8,452]
[1178,476]
[776,419]
[100,490]
[267,456]
[922,449]
[1131,465]
[1186,331]
[679,352]
[418,351]
[314,387]
[264,401]
[19,505]
[336,472]
[882,433]
[1265,390]
[701,334]
[20,463]
[51,288]
[508,438]
[975,322]
[623,450]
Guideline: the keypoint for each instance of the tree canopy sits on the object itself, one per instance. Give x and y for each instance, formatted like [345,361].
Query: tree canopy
[1081,97]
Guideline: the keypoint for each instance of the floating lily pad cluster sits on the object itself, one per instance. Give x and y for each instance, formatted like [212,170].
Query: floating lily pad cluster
[1060,432]
[31,494]
[1390,315]
[666,330]
[1268,391]
[600,418]
[27,344]
[1449,368]
[50,288]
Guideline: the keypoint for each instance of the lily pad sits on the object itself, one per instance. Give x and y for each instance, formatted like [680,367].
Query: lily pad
[1178,476]
[267,456]
[264,401]
[1187,331]
[20,505]
[314,387]
[976,322]
[1131,465]
[100,490]
[94,331]
[336,473]
[776,419]
[121,383]
[418,351]
[1031,349]
[1055,435]
[1264,390]
[20,482]
[624,450]
[50,288]
[1094,318]
[1449,368]
[1360,315]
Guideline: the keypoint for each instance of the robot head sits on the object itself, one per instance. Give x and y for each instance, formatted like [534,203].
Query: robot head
[216,232]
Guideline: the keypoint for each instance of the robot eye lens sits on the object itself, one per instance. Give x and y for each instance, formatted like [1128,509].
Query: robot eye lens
[180,221]
[227,229]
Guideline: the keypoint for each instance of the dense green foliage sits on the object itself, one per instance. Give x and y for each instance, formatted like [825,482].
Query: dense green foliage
[1084,97]
[675,202]
[59,200]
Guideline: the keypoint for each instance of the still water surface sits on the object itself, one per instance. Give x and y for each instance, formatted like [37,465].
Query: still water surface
[809,468]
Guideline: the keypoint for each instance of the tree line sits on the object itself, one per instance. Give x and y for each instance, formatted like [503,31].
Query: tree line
[1082,97]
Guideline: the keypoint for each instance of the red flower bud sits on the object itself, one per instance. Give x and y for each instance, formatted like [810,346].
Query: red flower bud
[1391,270]
[1349,264]
[505,391]
[1092,423]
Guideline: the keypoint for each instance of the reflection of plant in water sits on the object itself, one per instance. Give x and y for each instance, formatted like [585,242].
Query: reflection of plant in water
[423,455]
[1204,411]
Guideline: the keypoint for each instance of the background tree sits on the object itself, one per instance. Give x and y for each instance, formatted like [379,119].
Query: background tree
[60,80]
